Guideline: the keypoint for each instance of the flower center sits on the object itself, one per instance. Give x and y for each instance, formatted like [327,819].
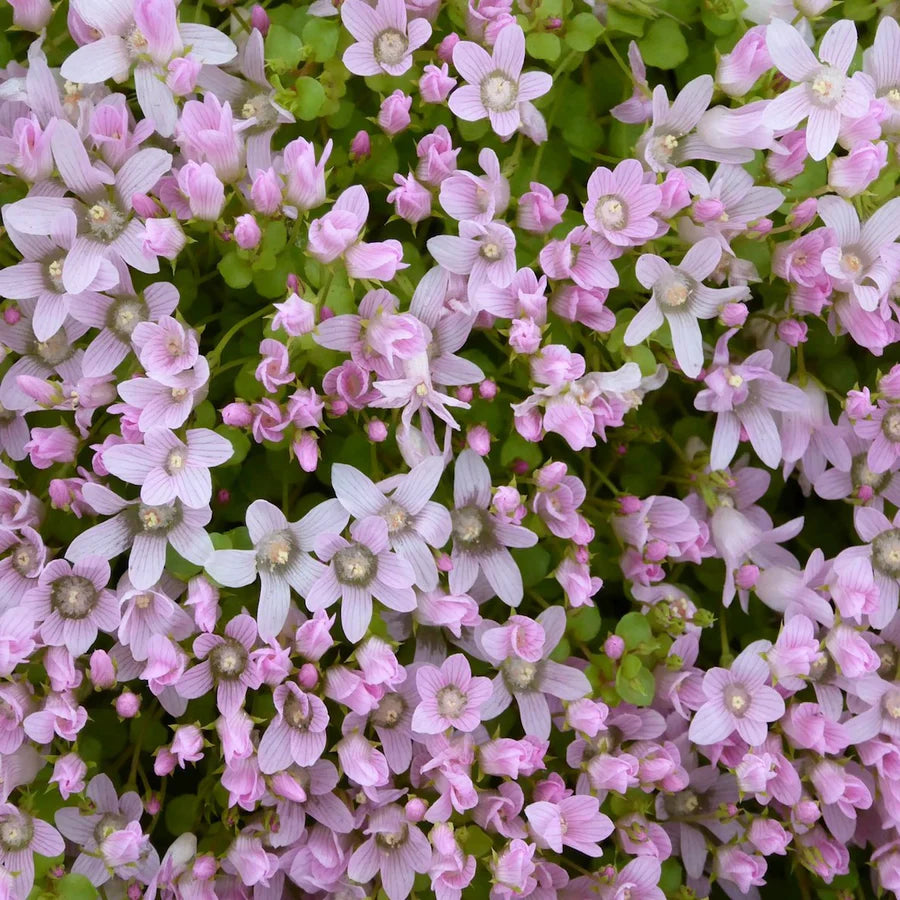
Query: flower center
[611,212]
[887,653]
[355,565]
[893,96]
[155,519]
[390,47]
[275,551]
[297,713]
[890,703]
[673,292]
[23,557]
[862,476]
[827,88]
[890,424]
[886,553]
[228,660]
[125,315]
[499,93]
[109,824]
[519,673]
[105,221]
[179,393]
[491,251]
[737,700]
[391,840]
[73,596]
[175,461]
[56,349]
[472,528]
[451,702]
[684,803]
[396,516]
[260,107]
[54,273]
[136,42]
[16,832]
[143,601]
[389,711]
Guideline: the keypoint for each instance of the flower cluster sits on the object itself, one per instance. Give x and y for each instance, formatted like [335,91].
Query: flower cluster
[389,426]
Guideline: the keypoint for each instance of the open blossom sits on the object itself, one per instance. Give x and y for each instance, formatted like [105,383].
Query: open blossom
[385,40]
[737,699]
[280,558]
[143,35]
[360,569]
[824,93]
[496,87]
[620,204]
[450,697]
[680,299]
[297,734]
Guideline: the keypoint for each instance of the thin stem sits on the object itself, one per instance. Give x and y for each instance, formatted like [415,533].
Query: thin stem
[217,351]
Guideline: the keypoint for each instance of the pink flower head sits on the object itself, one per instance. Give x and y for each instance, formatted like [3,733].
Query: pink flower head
[385,40]
[737,699]
[824,93]
[298,732]
[679,298]
[451,697]
[620,204]
[360,569]
[574,822]
[496,87]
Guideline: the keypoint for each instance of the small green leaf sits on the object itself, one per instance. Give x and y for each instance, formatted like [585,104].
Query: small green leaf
[584,623]
[543,45]
[309,99]
[516,447]
[321,38]
[634,629]
[75,887]
[284,48]
[534,564]
[583,32]
[476,842]
[637,689]
[236,271]
[664,45]
[239,441]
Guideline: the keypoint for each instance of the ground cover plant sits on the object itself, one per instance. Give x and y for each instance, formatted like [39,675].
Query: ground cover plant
[449,450]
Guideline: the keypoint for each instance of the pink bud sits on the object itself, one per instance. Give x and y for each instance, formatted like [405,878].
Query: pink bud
[792,332]
[223,496]
[614,646]
[152,805]
[163,237]
[11,315]
[259,19]
[629,505]
[308,676]
[746,577]
[265,192]
[247,233]
[360,146]
[393,117]
[444,563]
[803,213]
[237,414]
[416,809]
[734,315]
[102,671]
[436,83]
[487,390]
[445,48]
[376,430]
[479,439]
[465,393]
[128,704]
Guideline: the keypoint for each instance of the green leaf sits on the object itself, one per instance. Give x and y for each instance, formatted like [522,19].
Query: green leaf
[309,99]
[634,629]
[664,45]
[585,623]
[180,813]
[284,48]
[543,45]
[516,447]
[239,441]
[583,32]
[475,841]
[75,887]
[637,689]
[626,23]
[236,271]
[534,564]
[321,38]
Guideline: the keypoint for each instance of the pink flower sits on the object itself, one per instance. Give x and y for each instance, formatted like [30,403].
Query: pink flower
[68,774]
[496,87]
[574,822]
[385,40]
[737,699]
[393,116]
[436,83]
[680,299]
[620,204]
[297,733]
[451,697]
[824,94]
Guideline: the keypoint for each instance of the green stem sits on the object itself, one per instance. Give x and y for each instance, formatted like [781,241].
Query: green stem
[217,351]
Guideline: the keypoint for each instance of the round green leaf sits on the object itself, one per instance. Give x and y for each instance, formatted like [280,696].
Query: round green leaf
[664,45]
[543,45]
[310,98]
[75,887]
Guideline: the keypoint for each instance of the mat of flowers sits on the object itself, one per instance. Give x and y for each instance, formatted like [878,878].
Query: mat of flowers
[449,450]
